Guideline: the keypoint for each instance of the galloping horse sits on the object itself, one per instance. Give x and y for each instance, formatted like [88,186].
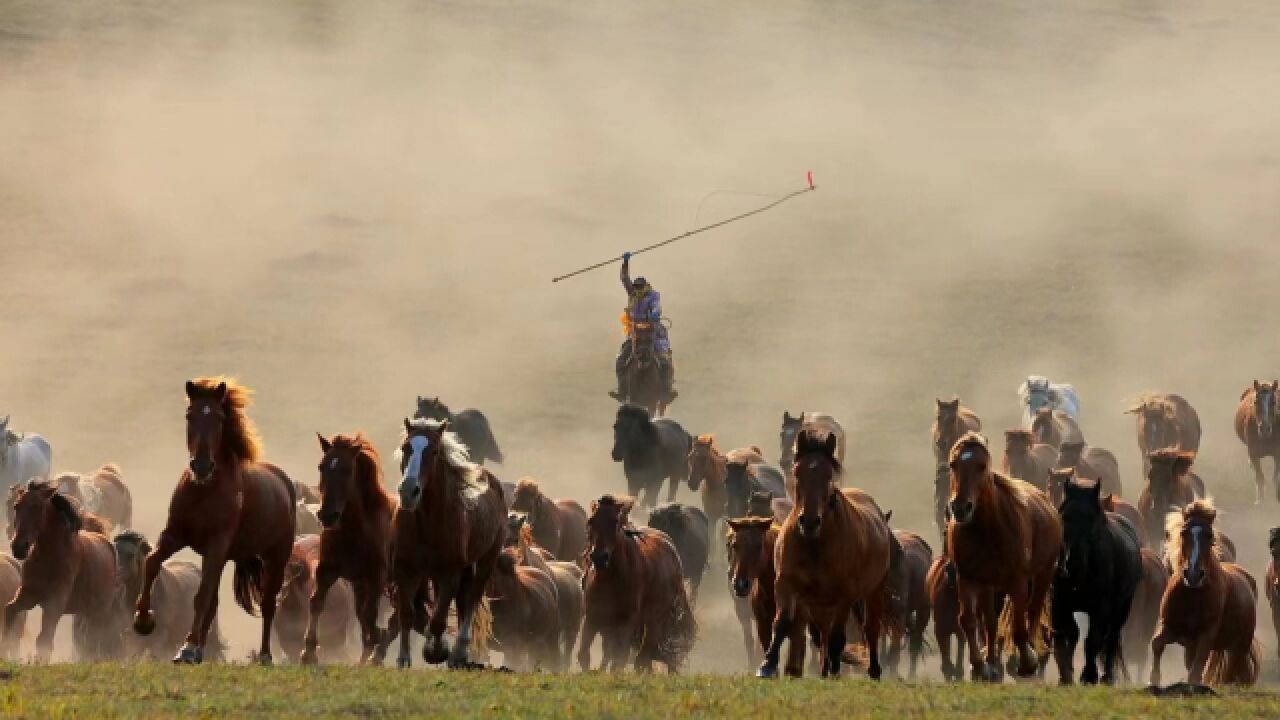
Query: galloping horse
[1255,424]
[644,384]
[952,421]
[1165,422]
[103,493]
[66,570]
[650,451]
[1209,606]
[470,425]
[1038,392]
[1026,459]
[690,532]
[449,529]
[228,506]
[1091,463]
[526,619]
[819,423]
[337,630]
[749,549]
[1004,537]
[832,554]
[356,514]
[1052,428]
[560,526]
[22,457]
[567,577]
[708,468]
[173,594]
[1171,486]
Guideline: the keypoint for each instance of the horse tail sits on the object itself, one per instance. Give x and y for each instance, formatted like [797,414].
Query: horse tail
[1037,631]
[1230,667]
[682,631]
[248,585]
[482,627]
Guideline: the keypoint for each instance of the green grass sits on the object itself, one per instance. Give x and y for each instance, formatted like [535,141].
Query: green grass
[119,691]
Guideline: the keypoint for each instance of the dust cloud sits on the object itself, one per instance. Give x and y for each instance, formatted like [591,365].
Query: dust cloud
[346,205]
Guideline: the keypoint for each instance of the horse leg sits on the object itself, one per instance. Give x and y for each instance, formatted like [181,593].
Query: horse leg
[1275,475]
[836,641]
[206,603]
[367,595]
[326,576]
[1259,481]
[50,614]
[144,622]
[434,650]
[1066,633]
[1094,640]
[942,636]
[1158,644]
[1199,659]
[589,632]
[273,566]
[406,597]
[470,595]
[23,601]
[742,609]
[871,626]
[969,597]
[915,640]
[1021,621]
[782,621]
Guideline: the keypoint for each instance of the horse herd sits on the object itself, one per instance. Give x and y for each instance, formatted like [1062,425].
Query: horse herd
[1028,544]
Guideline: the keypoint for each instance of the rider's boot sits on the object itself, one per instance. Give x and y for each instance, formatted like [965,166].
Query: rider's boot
[669,379]
[621,393]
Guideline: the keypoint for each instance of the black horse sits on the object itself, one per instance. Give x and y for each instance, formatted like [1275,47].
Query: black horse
[690,531]
[650,451]
[1098,574]
[471,426]
[742,480]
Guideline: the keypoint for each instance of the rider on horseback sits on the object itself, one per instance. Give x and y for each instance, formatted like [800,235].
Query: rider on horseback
[644,305]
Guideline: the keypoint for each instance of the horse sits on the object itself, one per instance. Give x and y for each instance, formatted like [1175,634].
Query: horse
[567,577]
[1171,486]
[635,595]
[1060,478]
[1092,463]
[470,425]
[816,422]
[941,497]
[355,544]
[10,581]
[23,456]
[1026,459]
[1255,424]
[940,586]
[952,421]
[296,623]
[1004,537]
[643,385]
[1099,574]
[1209,606]
[66,570]
[744,479]
[560,526]
[526,619]
[175,588]
[449,529]
[908,601]
[1165,422]
[305,520]
[707,470]
[1144,613]
[650,451]
[1037,392]
[1053,428]
[749,546]
[103,493]
[690,531]
[1273,578]
[832,553]
[227,506]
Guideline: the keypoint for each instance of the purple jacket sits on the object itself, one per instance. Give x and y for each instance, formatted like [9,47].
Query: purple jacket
[646,308]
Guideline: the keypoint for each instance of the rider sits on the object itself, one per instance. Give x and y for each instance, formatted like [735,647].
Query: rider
[644,304]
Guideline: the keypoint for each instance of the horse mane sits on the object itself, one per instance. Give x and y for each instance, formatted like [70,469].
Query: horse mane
[469,478]
[1179,461]
[68,507]
[634,412]
[622,503]
[1153,401]
[968,441]
[239,434]
[369,464]
[528,484]
[708,440]
[1202,510]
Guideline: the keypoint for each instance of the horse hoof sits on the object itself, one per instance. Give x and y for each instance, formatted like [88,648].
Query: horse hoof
[264,659]
[309,657]
[402,663]
[434,654]
[144,624]
[189,655]
[460,662]
[767,671]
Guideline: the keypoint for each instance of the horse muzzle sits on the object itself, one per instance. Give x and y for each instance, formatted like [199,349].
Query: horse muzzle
[202,469]
[616,455]
[21,548]
[600,559]
[1192,578]
[741,587]
[328,518]
[961,512]
[410,494]
[810,526]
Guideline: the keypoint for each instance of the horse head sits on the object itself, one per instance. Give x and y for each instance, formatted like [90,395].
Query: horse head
[1018,442]
[744,546]
[1070,454]
[760,504]
[632,431]
[132,550]
[1265,398]
[38,508]
[1195,540]
[700,459]
[527,498]
[431,409]
[419,449]
[1037,393]
[791,425]
[1059,479]
[609,518]
[515,521]
[737,487]
[207,414]
[1155,422]
[970,464]
[817,473]
[339,466]
[1082,516]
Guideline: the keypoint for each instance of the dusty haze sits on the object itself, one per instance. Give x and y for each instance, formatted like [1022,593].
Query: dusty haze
[348,205]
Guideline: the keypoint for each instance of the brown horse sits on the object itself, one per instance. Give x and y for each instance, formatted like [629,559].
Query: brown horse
[1171,486]
[449,530]
[1060,478]
[941,496]
[103,493]
[10,581]
[1256,427]
[635,593]
[832,553]
[91,522]
[66,570]
[1144,614]
[750,546]
[908,601]
[1165,422]
[566,575]
[336,629]
[1026,459]
[526,619]
[228,506]
[708,468]
[1054,427]
[1091,463]
[940,585]
[1004,537]
[356,541]
[558,525]
[173,595]
[1209,606]
[1273,578]
[953,420]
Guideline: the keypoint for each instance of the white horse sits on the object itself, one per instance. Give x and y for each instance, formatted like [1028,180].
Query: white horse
[1037,392]
[22,457]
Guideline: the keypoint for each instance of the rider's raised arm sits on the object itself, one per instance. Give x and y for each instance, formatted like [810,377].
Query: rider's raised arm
[625,273]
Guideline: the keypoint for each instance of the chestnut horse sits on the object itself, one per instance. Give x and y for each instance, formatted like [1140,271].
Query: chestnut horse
[355,544]
[560,526]
[1026,459]
[1209,606]
[1165,422]
[567,577]
[1004,537]
[1273,578]
[66,570]
[832,553]
[1255,424]
[526,620]
[940,585]
[103,493]
[1091,463]
[749,546]
[708,468]
[953,420]
[336,630]
[449,530]
[819,423]
[1053,428]
[1171,486]
[173,595]
[228,506]
[635,593]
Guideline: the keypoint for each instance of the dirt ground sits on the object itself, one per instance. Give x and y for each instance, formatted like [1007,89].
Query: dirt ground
[349,205]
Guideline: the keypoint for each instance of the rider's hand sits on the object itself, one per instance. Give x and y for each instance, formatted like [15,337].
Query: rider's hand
[626,257]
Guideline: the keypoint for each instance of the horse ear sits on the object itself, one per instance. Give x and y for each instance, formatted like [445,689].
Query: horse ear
[435,400]
[1182,464]
[1136,409]
[145,547]
[191,389]
[1275,385]
[1256,385]
[1097,490]
[888,516]
[786,417]
[625,515]
[222,390]
[1275,534]
[939,401]
[736,525]
[421,399]
[830,444]
[408,426]
[444,426]
[325,445]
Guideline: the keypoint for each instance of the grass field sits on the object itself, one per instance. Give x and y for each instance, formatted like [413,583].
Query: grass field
[113,691]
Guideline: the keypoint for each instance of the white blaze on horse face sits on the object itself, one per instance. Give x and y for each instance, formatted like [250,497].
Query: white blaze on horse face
[418,444]
[966,455]
[333,464]
[206,410]
[1193,563]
